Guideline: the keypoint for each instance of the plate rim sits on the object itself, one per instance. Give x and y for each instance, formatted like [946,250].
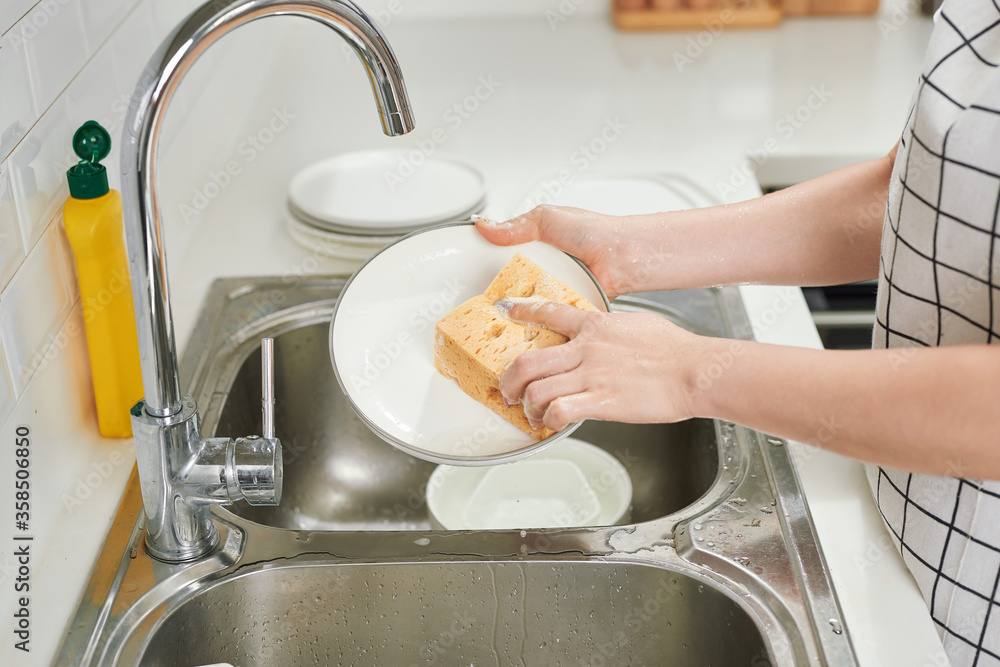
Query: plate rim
[356,226]
[426,455]
[304,218]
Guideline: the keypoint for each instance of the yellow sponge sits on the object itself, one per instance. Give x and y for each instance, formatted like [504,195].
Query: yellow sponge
[476,342]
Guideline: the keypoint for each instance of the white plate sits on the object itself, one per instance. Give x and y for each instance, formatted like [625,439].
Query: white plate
[375,232]
[332,244]
[382,343]
[385,192]
[341,245]
[571,484]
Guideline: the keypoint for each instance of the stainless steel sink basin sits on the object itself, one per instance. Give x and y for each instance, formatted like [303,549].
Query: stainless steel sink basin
[719,565]
[340,476]
[458,613]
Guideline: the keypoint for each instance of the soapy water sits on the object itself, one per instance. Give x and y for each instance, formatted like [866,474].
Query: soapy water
[505,304]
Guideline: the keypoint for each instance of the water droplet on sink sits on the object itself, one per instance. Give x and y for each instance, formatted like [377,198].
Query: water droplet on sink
[422,541]
[697,526]
[836,626]
[711,544]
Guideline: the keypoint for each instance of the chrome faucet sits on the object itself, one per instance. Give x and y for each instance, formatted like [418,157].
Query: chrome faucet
[181,473]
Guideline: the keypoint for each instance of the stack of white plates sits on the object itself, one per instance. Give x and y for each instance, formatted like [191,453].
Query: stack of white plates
[352,205]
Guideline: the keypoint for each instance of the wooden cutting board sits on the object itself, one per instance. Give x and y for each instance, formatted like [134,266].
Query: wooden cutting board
[736,14]
[742,14]
[829,7]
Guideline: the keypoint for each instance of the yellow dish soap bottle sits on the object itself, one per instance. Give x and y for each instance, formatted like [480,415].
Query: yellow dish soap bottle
[93,219]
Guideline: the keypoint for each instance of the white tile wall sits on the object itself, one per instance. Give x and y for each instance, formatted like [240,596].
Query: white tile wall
[35,304]
[11,257]
[17,110]
[100,18]
[52,36]
[61,63]
[11,253]
[12,11]
[38,170]
[7,400]
[134,36]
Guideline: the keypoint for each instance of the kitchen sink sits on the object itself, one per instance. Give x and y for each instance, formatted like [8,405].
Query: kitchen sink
[463,613]
[340,476]
[719,564]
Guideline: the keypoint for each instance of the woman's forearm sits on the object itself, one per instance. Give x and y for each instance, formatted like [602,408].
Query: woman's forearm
[929,410]
[820,232]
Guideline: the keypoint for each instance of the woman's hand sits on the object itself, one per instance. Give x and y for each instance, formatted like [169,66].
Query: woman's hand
[624,367]
[593,238]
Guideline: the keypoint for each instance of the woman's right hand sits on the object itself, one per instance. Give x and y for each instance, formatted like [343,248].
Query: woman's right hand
[595,239]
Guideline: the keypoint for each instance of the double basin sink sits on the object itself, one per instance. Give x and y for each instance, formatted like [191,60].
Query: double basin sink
[719,565]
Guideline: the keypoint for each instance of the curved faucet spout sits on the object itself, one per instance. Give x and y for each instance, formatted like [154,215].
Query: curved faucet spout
[181,473]
[159,81]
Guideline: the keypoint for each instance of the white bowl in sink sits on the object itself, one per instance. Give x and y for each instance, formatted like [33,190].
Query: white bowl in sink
[571,484]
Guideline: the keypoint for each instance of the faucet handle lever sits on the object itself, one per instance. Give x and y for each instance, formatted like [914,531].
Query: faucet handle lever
[267,386]
[256,471]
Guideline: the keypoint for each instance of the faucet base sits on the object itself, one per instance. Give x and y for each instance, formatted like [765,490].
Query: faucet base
[186,553]
[182,475]
[178,517]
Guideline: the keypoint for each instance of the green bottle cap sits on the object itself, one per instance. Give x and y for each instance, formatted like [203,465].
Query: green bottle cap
[88,179]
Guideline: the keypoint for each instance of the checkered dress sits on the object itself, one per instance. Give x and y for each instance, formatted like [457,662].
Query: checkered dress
[939,284]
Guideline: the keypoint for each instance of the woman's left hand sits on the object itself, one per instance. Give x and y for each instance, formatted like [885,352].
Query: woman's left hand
[624,367]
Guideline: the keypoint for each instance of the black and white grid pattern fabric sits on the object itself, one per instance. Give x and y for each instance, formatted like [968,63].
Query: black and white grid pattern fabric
[940,285]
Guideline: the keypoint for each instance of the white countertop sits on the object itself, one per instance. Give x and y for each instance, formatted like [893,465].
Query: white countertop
[550,92]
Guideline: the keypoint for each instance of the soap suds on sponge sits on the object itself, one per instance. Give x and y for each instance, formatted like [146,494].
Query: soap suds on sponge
[476,342]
